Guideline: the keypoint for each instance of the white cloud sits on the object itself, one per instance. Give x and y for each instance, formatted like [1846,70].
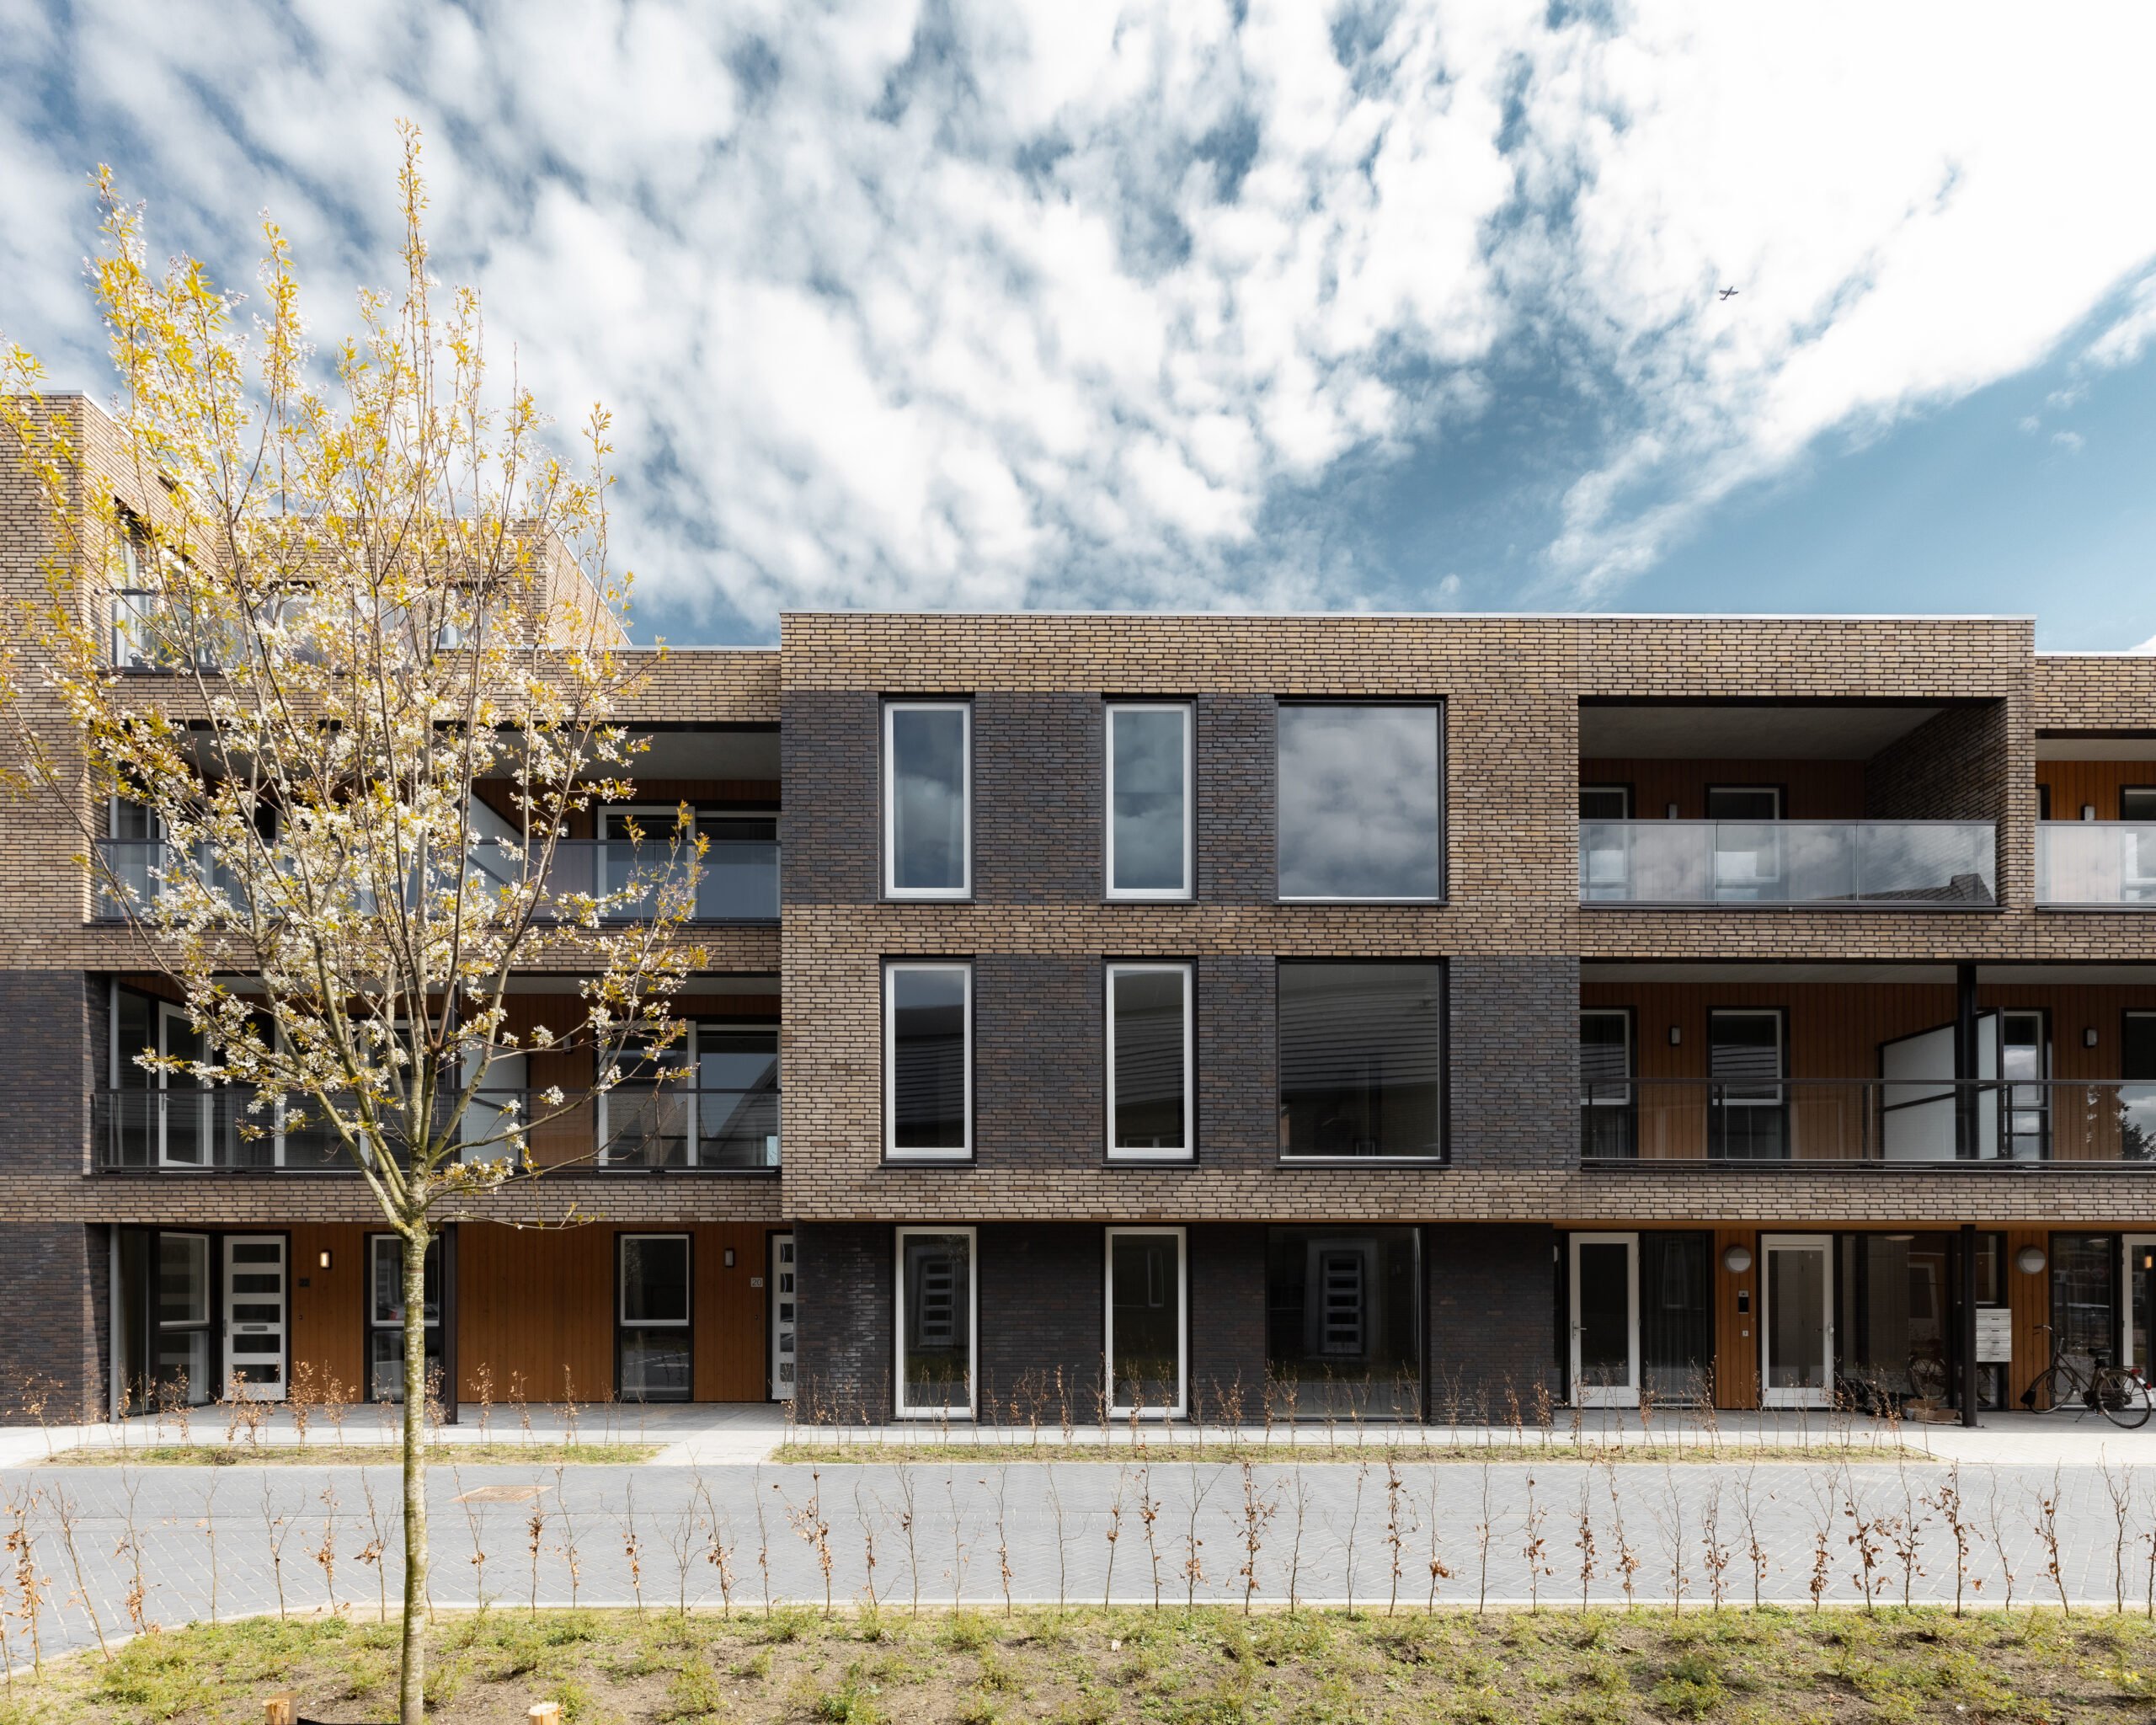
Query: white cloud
[1032,303]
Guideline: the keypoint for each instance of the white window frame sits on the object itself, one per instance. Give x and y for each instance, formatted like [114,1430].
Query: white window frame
[1146,1154]
[892,889]
[1624,1016]
[892,1151]
[623,1320]
[1118,1408]
[900,1409]
[1187,889]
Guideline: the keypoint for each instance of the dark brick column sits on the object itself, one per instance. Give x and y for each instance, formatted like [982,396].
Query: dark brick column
[1493,1317]
[843,1277]
[1043,1320]
[1227,1318]
[53,1344]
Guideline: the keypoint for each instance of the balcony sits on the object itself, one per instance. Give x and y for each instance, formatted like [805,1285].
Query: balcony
[1898,865]
[629,1130]
[1825,1122]
[2096,865]
[737,883]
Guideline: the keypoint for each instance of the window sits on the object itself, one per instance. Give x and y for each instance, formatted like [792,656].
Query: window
[652,1317]
[927,800]
[928,1060]
[2043,802]
[1362,1059]
[1146,1343]
[1607,1111]
[1149,802]
[1744,802]
[1747,1109]
[183,1308]
[1605,802]
[1748,843]
[936,1321]
[2084,1297]
[386,1317]
[1148,1060]
[2137,803]
[2024,1061]
[1360,799]
[1343,1329]
[2137,1094]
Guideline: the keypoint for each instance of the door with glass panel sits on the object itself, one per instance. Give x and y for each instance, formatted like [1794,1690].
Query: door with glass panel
[2137,1102]
[184,1106]
[1796,1321]
[1605,1314]
[1748,842]
[785,1323]
[255,1304]
[653,1360]
[2137,845]
[1747,1107]
[1608,1116]
[2025,1064]
[183,1368]
[2138,1345]
[385,1316]
[935,1322]
[1605,841]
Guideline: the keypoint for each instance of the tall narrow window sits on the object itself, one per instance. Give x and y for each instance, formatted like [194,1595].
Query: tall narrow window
[385,1316]
[1149,802]
[1362,1059]
[1607,1112]
[2136,1103]
[1748,1107]
[928,1060]
[2024,1061]
[927,800]
[1148,1060]
[652,1318]
[1146,1345]
[1360,802]
[936,1321]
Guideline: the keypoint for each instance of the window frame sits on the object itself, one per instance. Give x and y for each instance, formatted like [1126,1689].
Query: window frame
[889,775]
[1442,1157]
[1608,788]
[1117,1408]
[1435,706]
[686,1323]
[1188,890]
[1779,792]
[1188,970]
[900,1409]
[893,1151]
[2126,790]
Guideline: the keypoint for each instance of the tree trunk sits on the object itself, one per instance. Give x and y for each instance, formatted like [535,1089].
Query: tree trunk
[412,1684]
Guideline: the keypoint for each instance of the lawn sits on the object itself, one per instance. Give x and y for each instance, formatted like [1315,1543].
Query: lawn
[1204,1668]
[344,1454]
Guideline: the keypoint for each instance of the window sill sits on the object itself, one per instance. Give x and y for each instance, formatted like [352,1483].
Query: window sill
[1287,1161]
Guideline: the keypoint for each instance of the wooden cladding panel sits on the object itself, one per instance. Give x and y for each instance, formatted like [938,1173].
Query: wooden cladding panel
[1736,1333]
[2078,784]
[2029,1298]
[732,1335]
[1811,790]
[329,1307]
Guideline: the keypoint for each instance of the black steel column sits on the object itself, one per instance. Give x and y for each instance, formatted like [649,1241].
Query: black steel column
[1968,1323]
[1966,1066]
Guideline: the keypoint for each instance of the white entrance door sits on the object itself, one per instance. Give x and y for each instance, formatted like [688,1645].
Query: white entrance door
[1605,1285]
[1796,1321]
[781,1299]
[254,1313]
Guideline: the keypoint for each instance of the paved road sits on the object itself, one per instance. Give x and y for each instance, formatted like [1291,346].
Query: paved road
[950,1531]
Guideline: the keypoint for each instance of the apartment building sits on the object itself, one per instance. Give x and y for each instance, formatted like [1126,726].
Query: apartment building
[1159,1013]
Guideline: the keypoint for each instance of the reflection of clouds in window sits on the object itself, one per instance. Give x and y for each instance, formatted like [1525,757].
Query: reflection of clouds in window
[928,796]
[1358,802]
[1148,759]
[928,1056]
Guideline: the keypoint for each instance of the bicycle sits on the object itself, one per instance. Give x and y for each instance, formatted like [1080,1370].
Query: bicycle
[2115,1392]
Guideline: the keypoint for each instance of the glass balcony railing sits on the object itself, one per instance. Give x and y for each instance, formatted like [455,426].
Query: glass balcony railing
[737,883]
[187,1127]
[2096,864]
[1889,864]
[1806,1122]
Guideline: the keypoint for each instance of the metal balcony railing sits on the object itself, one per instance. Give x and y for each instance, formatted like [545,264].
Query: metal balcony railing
[737,883]
[1811,1122]
[2096,864]
[193,1129]
[1886,864]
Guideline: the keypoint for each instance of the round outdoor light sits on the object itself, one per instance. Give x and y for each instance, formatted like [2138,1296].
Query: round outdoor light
[2030,1260]
[1736,1260]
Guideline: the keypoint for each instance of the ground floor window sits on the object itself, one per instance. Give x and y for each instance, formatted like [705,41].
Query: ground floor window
[183,1370]
[1147,1343]
[936,1310]
[1677,1316]
[2084,1297]
[652,1357]
[386,1317]
[1343,1329]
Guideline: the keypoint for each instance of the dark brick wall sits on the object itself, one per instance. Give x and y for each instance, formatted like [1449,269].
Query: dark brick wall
[1042,1310]
[843,1277]
[1514,1061]
[1227,1316]
[54,1341]
[1491,1290]
[1952,767]
[829,849]
[43,1124]
[1038,791]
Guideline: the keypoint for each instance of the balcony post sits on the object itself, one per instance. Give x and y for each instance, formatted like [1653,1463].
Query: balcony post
[1965,1063]
[1969,1324]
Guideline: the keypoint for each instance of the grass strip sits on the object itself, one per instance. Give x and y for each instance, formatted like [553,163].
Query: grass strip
[346,1455]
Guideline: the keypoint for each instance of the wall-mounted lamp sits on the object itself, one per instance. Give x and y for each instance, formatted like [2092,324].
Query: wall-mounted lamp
[1737,1259]
[1670,811]
[324,1259]
[729,1257]
[1676,1035]
[2088,1037]
[2088,811]
[2030,1260]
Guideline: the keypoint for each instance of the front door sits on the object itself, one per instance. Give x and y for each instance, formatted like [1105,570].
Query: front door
[1796,1324]
[2140,1284]
[184,1137]
[780,1302]
[1605,1320]
[254,1315]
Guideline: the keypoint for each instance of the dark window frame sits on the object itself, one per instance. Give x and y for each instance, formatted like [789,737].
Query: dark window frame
[1438,706]
[687,1326]
[1442,1157]
[1716,1107]
[1624,788]
[1629,1109]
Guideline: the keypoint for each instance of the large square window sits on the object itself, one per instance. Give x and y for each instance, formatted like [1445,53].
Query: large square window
[927,800]
[1361,802]
[936,1321]
[1343,1322]
[1148,1060]
[1362,1059]
[1146,1342]
[651,1319]
[928,1060]
[1148,836]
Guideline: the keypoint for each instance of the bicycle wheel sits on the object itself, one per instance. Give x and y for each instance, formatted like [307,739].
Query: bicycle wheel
[2052,1388]
[1927,1377]
[2122,1397]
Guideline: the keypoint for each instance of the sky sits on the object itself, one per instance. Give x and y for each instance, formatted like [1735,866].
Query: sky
[1404,305]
